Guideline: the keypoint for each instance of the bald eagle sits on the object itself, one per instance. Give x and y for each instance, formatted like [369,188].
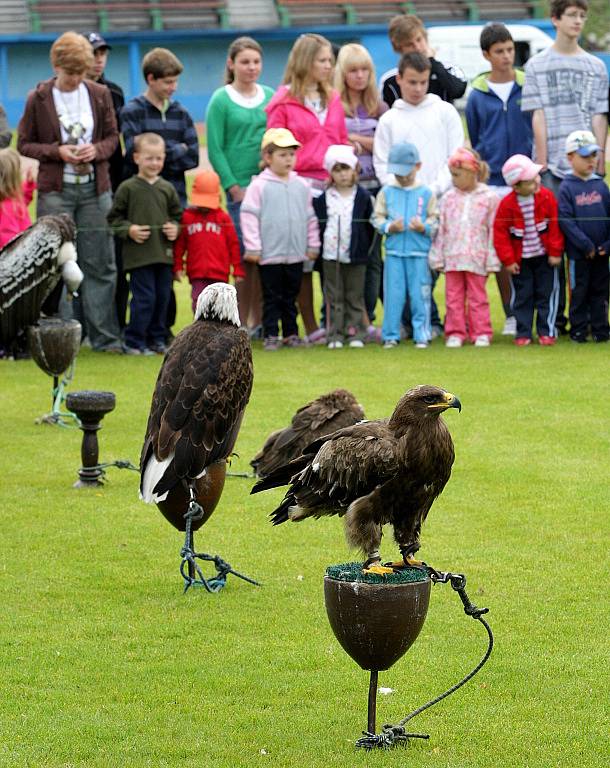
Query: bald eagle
[31,266]
[199,400]
[320,417]
[373,473]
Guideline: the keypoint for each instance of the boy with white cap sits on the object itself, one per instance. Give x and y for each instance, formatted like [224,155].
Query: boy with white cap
[584,212]
[405,212]
[344,211]
[529,243]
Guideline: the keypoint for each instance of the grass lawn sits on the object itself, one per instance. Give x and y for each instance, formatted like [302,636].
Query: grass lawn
[104,661]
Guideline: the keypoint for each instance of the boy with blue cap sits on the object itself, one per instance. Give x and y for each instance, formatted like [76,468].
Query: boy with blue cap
[584,217]
[406,213]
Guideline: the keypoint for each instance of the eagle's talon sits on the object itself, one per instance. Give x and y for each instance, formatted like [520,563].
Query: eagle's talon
[379,570]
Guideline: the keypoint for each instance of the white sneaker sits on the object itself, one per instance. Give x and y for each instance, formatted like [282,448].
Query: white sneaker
[337,344]
[453,342]
[390,344]
[356,344]
[482,341]
[510,327]
[421,345]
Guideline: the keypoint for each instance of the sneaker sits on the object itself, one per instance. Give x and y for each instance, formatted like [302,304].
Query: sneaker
[159,348]
[373,335]
[421,345]
[482,341]
[271,344]
[356,343]
[110,349]
[510,326]
[546,341]
[317,337]
[295,341]
[453,342]
[579,339]
[337,344]
[522,341]
[390,344]
[143,351]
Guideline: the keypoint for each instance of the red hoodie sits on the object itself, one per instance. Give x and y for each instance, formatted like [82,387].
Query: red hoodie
[509,227]
[209,242]
[14,215]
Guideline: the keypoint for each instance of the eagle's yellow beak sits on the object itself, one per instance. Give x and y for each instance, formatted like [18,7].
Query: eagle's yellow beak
[449,401]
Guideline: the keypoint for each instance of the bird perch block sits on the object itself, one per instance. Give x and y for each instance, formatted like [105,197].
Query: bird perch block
[376,618]
[90,407]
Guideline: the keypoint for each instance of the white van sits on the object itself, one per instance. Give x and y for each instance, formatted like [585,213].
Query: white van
[459,45]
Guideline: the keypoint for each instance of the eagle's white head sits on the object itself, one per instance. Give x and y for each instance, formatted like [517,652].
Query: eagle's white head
[218,302]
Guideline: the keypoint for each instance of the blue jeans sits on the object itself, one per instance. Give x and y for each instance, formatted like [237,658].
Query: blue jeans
[402,277]
[150,289]
[95,251]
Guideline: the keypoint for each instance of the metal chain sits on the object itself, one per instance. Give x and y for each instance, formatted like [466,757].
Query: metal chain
[394,734]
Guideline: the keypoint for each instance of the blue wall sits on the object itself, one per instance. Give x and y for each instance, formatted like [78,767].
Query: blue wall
[24,59]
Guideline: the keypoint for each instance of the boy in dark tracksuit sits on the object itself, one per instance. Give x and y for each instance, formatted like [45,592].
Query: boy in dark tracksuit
[584,216]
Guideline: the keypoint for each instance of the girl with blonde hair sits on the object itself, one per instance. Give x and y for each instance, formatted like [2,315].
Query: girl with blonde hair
[308,106]
[15,196]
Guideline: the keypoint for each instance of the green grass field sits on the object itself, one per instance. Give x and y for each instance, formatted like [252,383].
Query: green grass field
[104,662]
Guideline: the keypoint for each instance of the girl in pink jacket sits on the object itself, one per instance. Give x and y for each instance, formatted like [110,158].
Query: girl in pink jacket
[463,249]
[308,106]
[15,196]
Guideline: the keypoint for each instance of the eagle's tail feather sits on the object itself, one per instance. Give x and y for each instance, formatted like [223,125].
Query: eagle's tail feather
[281,476]
[151,477]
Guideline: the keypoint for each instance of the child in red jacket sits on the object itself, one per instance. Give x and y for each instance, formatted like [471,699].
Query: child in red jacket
[208,240]
[529,243]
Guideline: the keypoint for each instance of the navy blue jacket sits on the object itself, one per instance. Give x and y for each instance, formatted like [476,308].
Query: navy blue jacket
[362,229]
[176,127]
[497,130]
[584,215]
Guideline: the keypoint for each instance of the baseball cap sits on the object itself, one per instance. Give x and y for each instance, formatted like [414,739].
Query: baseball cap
[583,143]
[519,168]
[97,41]
[339,153]
[205,192]
[403,158]
[281,137]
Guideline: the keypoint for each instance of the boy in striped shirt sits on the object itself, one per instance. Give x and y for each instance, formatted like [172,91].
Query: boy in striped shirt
[529,243]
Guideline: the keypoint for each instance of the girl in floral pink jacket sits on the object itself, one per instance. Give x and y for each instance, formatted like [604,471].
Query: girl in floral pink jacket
[463,249]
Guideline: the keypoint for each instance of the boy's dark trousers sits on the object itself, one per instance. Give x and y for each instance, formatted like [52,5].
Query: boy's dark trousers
[281,284]
[150,290]
[535,287]
[552,182]
[589,282]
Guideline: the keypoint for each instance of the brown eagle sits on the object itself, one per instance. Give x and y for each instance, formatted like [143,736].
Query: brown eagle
[325,414]
[197,408]
[373,473]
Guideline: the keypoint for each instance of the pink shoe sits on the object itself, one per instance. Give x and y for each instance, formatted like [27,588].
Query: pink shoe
[522,341]
[317,337]
[547,341]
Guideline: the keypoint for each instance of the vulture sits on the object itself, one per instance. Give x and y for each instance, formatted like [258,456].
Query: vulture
[31,266]
[197,408]
[373,473]
[325,414]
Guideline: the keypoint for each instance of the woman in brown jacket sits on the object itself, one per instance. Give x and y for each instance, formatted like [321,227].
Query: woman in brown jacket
[69,126]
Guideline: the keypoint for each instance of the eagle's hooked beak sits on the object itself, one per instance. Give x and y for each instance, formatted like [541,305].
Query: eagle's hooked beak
[448,401]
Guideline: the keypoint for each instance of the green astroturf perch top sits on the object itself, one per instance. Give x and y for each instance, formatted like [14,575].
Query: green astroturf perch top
[354,572]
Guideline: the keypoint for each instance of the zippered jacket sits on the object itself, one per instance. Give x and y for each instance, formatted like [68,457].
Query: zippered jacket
[362,232]
[277,219]
[285,111]
[509,227]
[394,202]
[497,130]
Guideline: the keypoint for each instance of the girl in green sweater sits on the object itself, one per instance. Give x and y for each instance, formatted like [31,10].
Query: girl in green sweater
[236,121]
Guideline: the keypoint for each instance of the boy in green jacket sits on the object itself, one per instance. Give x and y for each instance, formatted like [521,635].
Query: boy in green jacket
[145,214]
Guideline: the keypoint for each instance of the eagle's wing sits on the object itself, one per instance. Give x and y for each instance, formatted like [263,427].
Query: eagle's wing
[315,419]
[28,273]
[199,400]
[338,469]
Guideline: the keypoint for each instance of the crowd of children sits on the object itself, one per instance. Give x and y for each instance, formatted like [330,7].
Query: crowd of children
[436,204]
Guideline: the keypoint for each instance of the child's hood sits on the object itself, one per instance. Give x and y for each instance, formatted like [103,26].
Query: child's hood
[431,100]
[268,175]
